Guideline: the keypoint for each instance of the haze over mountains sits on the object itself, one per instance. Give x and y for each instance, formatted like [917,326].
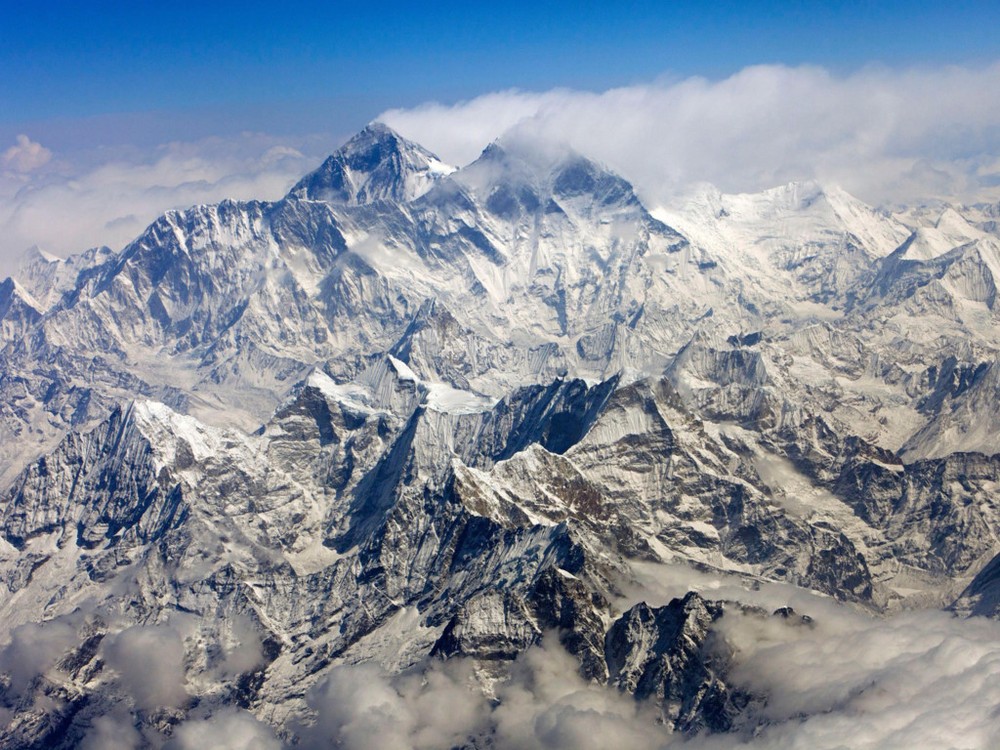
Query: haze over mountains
[489,425]
[888,135]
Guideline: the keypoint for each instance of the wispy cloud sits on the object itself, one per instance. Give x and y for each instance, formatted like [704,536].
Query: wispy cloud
[68,203]
[228,729]
[885,135]
[33,649]
[150,664]
[25,155]
[111,732]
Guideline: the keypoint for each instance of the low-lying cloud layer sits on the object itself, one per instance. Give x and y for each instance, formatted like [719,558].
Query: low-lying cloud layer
[545,704]
[922,679]
[918,680]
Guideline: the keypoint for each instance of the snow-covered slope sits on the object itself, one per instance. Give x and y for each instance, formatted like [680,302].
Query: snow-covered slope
[410,412]
[375,165]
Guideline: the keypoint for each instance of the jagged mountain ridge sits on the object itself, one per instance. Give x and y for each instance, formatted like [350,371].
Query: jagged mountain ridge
[377,165]
[483,393]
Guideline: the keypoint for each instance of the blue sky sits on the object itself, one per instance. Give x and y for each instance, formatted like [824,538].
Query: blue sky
[111,113]
[286,66]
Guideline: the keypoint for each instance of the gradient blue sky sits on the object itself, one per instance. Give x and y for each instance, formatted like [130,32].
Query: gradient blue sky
[284,67]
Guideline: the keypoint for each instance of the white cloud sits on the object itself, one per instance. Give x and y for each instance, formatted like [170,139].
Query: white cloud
[34,649]
[919,679]
[548,706]
[229,729]
[109,197]
[112,733]
[914,680]
[25,155]
[242,648]
[150,664]
[884,135]
[360,707]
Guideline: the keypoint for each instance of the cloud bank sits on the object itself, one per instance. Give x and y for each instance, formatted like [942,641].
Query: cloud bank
[922,679]
[888,136]
[917,680]
[65,204]
[884,135]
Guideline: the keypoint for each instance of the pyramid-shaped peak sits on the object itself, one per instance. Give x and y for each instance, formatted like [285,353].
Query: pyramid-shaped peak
[538,154]
[377,127]
[517,164]
[577,175]
[376,164]
[494,152]
[378,133]
[794,195]
[35,254]
[954,224]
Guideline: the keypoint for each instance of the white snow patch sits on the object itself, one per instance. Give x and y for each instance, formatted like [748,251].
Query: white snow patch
[313,558]
[403,371]
[354,396]
[443,398]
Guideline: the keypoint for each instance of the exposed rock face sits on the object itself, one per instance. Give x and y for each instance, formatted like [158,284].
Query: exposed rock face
[982,596]
[104,486]
[409,412]
[375,165]
[663,654]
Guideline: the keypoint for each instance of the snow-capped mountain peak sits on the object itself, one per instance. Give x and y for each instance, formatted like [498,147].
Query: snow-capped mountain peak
[530,173]
[377,164]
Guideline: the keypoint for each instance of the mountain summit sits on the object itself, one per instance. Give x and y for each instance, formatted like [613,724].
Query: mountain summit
[377,164]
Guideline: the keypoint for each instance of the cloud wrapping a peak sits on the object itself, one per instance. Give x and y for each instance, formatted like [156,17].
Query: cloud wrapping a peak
[884,135]
[887,136]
